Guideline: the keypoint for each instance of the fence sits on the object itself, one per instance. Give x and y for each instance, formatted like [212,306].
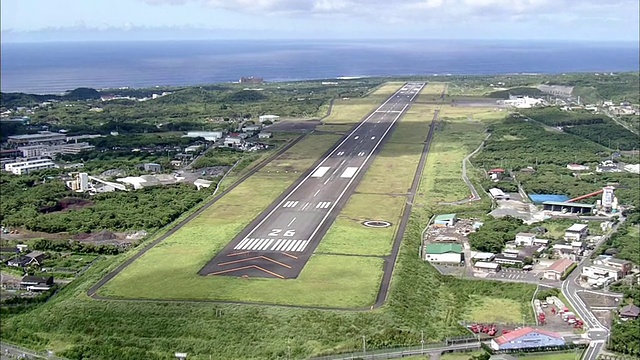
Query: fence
[11,351]
[461,344]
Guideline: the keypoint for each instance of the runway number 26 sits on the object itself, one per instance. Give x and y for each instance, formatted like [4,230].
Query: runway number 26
[276,232]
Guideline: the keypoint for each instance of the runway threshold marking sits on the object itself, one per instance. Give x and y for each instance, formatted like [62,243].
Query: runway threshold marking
[349,172]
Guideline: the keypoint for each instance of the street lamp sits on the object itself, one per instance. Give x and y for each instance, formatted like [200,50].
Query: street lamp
[364,345]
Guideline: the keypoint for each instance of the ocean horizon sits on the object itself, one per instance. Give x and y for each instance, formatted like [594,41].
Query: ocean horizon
[48,68]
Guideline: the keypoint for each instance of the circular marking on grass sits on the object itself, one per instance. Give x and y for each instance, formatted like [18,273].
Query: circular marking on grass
[376,224]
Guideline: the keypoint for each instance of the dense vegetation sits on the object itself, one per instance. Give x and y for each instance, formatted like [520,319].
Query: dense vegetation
[516,144]
[608,134]
[12,100]
[492,236]
[25,200]
[553,116]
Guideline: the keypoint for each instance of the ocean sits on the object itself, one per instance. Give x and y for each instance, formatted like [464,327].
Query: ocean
[58,67]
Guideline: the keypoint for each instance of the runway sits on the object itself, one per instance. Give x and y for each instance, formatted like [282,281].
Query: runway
[279,242]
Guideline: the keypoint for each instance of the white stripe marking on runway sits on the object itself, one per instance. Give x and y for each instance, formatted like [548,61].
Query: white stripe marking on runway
[282,245]
[294,219]
[289,245]
[317,192]
[296,244]
[320,172]
[257,245]
[276,244]
[349,172]
[241,243]
[266,244]
[304,245]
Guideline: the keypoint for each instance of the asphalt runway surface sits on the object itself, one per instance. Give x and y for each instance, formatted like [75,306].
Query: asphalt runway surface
[279,242]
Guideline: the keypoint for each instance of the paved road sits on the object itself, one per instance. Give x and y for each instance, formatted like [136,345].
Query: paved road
[281,240]
[597,332]
[405,352]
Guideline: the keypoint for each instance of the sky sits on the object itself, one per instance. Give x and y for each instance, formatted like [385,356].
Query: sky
[116,20]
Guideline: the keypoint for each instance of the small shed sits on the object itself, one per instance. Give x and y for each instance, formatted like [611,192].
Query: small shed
[152,167]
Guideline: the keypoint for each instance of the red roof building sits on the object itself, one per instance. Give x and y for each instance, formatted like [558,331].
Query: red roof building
[496,171]
[527,338]
[558,269]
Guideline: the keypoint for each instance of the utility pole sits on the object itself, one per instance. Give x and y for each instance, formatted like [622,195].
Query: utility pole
[422,342]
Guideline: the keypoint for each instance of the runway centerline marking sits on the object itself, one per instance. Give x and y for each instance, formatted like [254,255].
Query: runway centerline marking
[317,192]
[291,223]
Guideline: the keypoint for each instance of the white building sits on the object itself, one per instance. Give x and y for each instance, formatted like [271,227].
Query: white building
[264,135]
[207,135]
[252,128]
[577,232]
[601,272]
[25,167]
[521,102]
[272,118]
[525,239]
[577,167]
[233,141]
[498,194]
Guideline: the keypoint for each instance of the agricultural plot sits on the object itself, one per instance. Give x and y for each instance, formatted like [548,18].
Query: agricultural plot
[493,310]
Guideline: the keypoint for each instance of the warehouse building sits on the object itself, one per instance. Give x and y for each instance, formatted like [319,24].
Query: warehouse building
[498,194]
[527,338]
[443,253]
[42,137]
[445,220]
[486,266]
[558,269]
[272,118]
[568,207]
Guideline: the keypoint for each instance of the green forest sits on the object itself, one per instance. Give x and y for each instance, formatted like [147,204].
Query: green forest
[26,201]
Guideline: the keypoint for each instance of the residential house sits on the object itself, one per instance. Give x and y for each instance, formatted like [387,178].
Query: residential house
[623,266]
[601,273]
[527,338]
[577,232]
[152,167]
[32,258]
[629,312]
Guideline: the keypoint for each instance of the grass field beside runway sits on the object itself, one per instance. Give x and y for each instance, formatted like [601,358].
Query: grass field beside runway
[347,235]
[352,110]
[169,270]
[460,131]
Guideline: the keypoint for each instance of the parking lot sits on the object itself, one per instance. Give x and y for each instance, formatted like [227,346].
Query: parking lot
[507,274]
